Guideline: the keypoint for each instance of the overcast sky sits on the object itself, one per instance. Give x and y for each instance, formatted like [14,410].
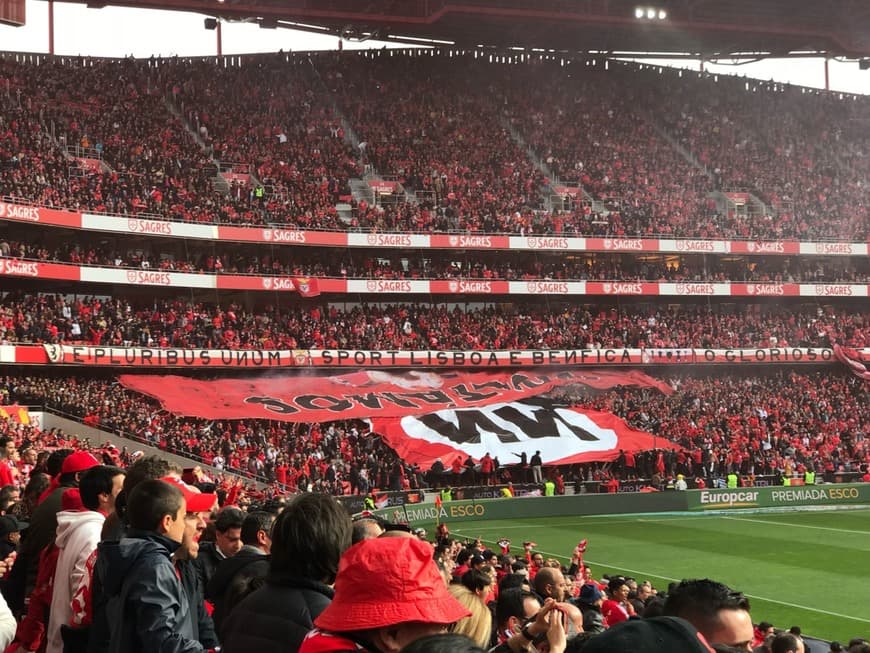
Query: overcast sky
[114,31]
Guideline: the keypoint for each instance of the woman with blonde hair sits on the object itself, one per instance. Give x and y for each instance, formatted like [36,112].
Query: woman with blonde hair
[478,627]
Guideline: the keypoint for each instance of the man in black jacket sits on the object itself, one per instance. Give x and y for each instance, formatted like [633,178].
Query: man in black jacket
[251,562]
[146,604]
[228,542]
[308,539]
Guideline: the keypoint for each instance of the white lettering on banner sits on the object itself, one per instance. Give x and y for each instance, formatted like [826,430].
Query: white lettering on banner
[388,285]
[15,212]
[801,494]
[282,283]
[696,289]
[543,242]
[470,286]
[773,247]
[556,432]
[284,235]
[151,278]
[623,288]
[712,497]
[21,268]
[623,243]
[834,290]
[547,287]
[765,289]
[470,241]
[389,240]
[696,246]
[834,248]
[149,227]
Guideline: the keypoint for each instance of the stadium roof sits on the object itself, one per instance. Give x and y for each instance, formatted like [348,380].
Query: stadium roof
[710,28]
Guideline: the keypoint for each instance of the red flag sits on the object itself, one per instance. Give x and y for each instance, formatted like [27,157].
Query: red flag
[563,435]
[438,502]
[306,286]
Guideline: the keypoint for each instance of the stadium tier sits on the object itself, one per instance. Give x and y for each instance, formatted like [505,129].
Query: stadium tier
[437,209]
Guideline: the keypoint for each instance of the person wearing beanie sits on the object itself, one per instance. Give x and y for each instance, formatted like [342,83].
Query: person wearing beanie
[43,527]
[589,602]
[388,594]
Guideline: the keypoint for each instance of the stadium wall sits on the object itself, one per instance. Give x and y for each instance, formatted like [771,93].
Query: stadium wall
[630,503]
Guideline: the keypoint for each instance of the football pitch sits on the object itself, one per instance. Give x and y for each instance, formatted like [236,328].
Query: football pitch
[810,569]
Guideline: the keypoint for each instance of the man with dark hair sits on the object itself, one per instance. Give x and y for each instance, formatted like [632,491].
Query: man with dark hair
[146,606]
[144,469]
[252,561]
[719,613]
[787,643]
[513,607]
[227,543]
[308,539]
[78,534]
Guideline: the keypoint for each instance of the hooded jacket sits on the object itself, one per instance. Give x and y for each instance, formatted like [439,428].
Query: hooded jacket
[78,534]
[145,606]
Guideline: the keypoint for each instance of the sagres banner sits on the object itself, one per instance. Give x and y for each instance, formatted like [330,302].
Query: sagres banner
[563,435]
[369,393]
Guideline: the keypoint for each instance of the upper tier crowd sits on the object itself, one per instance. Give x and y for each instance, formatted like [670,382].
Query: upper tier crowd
[83,249]
[33,318]
[469,139]
[781,422]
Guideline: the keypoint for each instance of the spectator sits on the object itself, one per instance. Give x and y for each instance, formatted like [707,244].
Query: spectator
[78,534]
[228,542]
[308,539]
[252,561]
[409,583]
[650,636]
[145,602]
[787,643]
[43,526]
[478,625]
[719,613]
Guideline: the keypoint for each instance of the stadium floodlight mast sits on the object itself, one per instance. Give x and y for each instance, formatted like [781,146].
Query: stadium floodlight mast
[650,13]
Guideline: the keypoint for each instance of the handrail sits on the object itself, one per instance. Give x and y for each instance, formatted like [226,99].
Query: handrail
[237,473]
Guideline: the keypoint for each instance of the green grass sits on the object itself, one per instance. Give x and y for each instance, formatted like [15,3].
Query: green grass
[810,569]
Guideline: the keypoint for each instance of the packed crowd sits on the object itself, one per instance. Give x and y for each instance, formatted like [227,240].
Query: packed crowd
[252,259]
[104,555]
[647,147]
[49,318]
[779,423]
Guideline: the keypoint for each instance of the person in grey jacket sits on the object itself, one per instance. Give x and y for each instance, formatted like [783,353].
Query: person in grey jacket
[147,609]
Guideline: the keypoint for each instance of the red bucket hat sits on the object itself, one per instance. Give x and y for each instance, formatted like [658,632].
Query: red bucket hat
[387,581]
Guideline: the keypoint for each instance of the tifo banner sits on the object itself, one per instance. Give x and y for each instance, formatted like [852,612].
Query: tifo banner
[298,398]
[855,359]
[152,357]
[563,435]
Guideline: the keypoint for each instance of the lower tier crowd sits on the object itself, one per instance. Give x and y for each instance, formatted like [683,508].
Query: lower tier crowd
[783,422]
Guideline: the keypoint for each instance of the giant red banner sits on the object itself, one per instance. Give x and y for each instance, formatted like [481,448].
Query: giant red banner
[563,435]
[369,393]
